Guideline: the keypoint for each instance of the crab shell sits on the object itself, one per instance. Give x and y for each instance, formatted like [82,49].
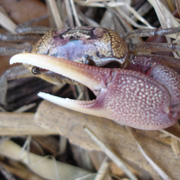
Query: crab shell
[87,45]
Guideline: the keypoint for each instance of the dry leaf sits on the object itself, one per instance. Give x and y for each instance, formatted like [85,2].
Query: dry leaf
[43,166]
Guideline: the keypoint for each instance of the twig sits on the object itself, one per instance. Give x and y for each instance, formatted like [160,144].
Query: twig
[102,170]
[55,13]
[7,23]
[151,162]
[110,154]
[78,23]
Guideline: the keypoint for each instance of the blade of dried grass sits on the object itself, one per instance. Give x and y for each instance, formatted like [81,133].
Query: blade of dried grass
[174,142]
[20,124]
[56,15]
[175,147]
[161,173]
[103,5]
[86,177]
[115,5]
[83,3]
[6,173]
[48,143]
[170,5]
[7,23]
[44,167]
[25,108]
[165,17]
[178,6]
[170,134]
[63,144]
[128,19]
[110,154]
[90,1]
[107,20]
[22,173]
[25,146]
[143,10]
[112,20]
[103,170]
[86,20]
[78,23]
[4,86]
[69,13]
[138,16]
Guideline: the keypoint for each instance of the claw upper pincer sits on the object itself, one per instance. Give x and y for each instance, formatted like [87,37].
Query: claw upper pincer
[127,97]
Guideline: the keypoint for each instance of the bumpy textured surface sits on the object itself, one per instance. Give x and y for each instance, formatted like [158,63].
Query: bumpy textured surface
[138,101]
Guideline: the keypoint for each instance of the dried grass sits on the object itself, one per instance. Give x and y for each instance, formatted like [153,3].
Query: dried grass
[55,13]
[7,23]
[110,154]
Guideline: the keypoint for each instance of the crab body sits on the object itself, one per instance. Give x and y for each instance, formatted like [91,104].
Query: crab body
[146,95]
[87,45]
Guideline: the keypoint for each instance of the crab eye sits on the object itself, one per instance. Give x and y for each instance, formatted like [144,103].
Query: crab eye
[35,70]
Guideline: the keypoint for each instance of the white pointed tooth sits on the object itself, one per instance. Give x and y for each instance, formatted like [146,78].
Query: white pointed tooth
[80,106]
[65,102]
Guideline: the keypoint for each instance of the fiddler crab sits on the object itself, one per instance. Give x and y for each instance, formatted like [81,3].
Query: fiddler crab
[144,93]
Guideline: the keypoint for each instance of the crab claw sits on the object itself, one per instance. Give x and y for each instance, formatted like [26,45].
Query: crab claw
[127,97]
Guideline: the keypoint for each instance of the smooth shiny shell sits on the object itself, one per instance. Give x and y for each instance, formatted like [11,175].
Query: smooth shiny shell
[87,45]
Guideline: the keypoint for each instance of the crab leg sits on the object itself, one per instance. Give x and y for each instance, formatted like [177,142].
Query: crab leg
[127,97]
